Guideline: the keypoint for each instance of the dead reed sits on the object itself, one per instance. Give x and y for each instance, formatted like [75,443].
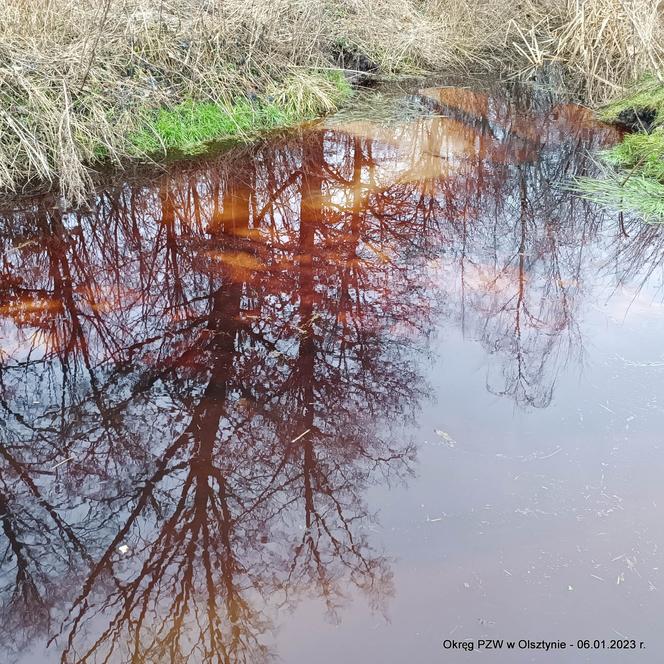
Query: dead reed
[79,78]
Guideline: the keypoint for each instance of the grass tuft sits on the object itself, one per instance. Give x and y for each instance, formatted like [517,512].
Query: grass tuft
[186,127]
[638,193]
[189,126]
[641,152]
[647,94]
[637,180]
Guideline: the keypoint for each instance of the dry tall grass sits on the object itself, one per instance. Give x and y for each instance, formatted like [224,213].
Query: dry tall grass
[79,74]
[605,44]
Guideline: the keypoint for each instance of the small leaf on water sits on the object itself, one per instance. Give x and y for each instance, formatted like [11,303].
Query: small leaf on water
[446,437]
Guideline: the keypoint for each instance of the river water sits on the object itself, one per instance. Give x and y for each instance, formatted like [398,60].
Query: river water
[358,393]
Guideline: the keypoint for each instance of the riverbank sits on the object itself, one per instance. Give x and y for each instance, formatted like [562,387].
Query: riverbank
[88,85]
[633,180]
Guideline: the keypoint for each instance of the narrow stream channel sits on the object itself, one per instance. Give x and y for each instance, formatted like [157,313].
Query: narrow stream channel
[351,395]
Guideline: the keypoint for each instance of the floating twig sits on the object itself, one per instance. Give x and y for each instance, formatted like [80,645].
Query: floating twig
[304,433]
[57,465]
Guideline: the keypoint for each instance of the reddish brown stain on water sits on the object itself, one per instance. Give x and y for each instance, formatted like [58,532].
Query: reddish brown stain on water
[210,378]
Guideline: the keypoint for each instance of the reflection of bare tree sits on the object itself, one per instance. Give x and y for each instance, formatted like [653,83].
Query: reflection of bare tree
[635,259]
[483,179]
[530,317]
[208,370]
[518,239]
[198,331]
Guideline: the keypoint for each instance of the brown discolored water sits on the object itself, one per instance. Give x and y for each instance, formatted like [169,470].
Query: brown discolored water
[338,397]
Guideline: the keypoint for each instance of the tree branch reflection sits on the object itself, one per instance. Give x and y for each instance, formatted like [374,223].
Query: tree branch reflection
[202,376]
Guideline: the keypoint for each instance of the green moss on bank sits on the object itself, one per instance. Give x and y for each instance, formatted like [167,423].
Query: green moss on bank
[189,126]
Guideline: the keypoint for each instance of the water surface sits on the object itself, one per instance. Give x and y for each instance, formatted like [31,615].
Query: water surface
[337,397]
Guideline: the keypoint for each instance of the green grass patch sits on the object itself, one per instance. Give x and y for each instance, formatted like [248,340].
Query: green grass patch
[642,152]
[636,181]
[189,126]
[647,94]
[635,194]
